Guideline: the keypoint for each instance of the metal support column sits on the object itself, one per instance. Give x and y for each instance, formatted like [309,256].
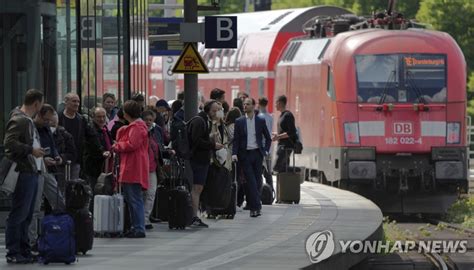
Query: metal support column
[190,80]
[127,93]
[169,84]
[33,46]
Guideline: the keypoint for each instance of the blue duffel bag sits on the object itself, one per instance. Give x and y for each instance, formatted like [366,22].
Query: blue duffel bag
[57,243]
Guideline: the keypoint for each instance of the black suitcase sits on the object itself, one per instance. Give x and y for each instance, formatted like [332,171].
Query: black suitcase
[231,209]
[84,229]
[160,207]
[180,211]
[78,192]
[180,207]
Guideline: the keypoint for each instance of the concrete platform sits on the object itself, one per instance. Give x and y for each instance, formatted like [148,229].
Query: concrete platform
[276,240]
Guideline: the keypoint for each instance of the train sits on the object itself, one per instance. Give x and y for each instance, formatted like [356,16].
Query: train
[380,103]
[250,68]
[381,106]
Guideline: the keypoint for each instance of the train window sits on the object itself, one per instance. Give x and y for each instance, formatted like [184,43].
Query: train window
[330,90]
[401,78]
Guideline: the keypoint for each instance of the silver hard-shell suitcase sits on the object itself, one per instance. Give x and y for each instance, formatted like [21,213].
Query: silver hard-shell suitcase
[108,214]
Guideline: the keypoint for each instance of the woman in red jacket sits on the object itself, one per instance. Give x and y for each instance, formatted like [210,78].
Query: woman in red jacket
[132,145]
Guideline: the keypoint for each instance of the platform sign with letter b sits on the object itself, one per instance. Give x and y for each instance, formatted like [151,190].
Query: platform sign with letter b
[221,32]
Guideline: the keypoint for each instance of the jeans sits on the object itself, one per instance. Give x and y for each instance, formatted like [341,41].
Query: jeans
[19,218]
[48,187]
[252,165]
[149,196]
[134,196]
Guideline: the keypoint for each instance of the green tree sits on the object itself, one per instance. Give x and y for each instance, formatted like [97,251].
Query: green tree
[444,15]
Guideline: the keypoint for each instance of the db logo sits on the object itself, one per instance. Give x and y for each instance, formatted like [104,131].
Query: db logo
[320,246]
[403,128]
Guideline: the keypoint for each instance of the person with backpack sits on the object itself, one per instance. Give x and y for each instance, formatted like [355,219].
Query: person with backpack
[286,136]
[201,146]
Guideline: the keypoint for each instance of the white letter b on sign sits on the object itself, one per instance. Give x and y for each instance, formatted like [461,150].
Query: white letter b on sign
[224,25]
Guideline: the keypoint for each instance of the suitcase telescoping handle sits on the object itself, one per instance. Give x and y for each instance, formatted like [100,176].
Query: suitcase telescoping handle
[67,170]
[286,158]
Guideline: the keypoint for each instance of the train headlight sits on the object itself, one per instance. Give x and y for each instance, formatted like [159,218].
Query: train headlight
[453,134]
[351,133]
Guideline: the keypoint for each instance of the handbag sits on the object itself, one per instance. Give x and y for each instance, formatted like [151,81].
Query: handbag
[8,176]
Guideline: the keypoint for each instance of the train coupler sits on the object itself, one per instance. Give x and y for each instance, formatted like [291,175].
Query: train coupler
[403,183]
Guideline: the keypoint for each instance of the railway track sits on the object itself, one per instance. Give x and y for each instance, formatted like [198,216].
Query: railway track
[421,231]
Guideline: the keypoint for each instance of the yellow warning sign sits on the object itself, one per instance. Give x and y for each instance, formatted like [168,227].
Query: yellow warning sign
[190,61]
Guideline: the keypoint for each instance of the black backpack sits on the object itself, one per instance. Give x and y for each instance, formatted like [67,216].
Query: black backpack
[267,194]
[180,141]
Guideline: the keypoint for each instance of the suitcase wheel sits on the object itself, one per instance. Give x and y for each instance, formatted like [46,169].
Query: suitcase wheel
[297,202]
[84,252]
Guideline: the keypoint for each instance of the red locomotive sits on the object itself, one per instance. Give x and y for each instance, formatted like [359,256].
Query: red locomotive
[381,112]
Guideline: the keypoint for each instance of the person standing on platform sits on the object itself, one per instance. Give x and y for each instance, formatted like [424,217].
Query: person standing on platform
[286,136]
[201,146]
[251,144]
[108,102]
[78,127]
[23,146]
[132,146]
[47,184]
[262,108]
[66,149]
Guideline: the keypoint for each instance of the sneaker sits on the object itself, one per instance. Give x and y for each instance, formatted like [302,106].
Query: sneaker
[149,227]
[17,259]
[136,235]
[198,223]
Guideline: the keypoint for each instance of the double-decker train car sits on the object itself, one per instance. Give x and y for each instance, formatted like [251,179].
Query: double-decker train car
[249,68]
[381,112]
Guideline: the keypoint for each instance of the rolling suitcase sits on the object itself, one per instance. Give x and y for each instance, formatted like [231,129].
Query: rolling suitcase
[108,214]
[288,186]
[231,209]
[83,225]
[78,192]
[57,243]
[180,209]
[160,208]
[84,232]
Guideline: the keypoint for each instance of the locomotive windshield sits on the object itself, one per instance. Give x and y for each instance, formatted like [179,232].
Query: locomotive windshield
[401,78]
